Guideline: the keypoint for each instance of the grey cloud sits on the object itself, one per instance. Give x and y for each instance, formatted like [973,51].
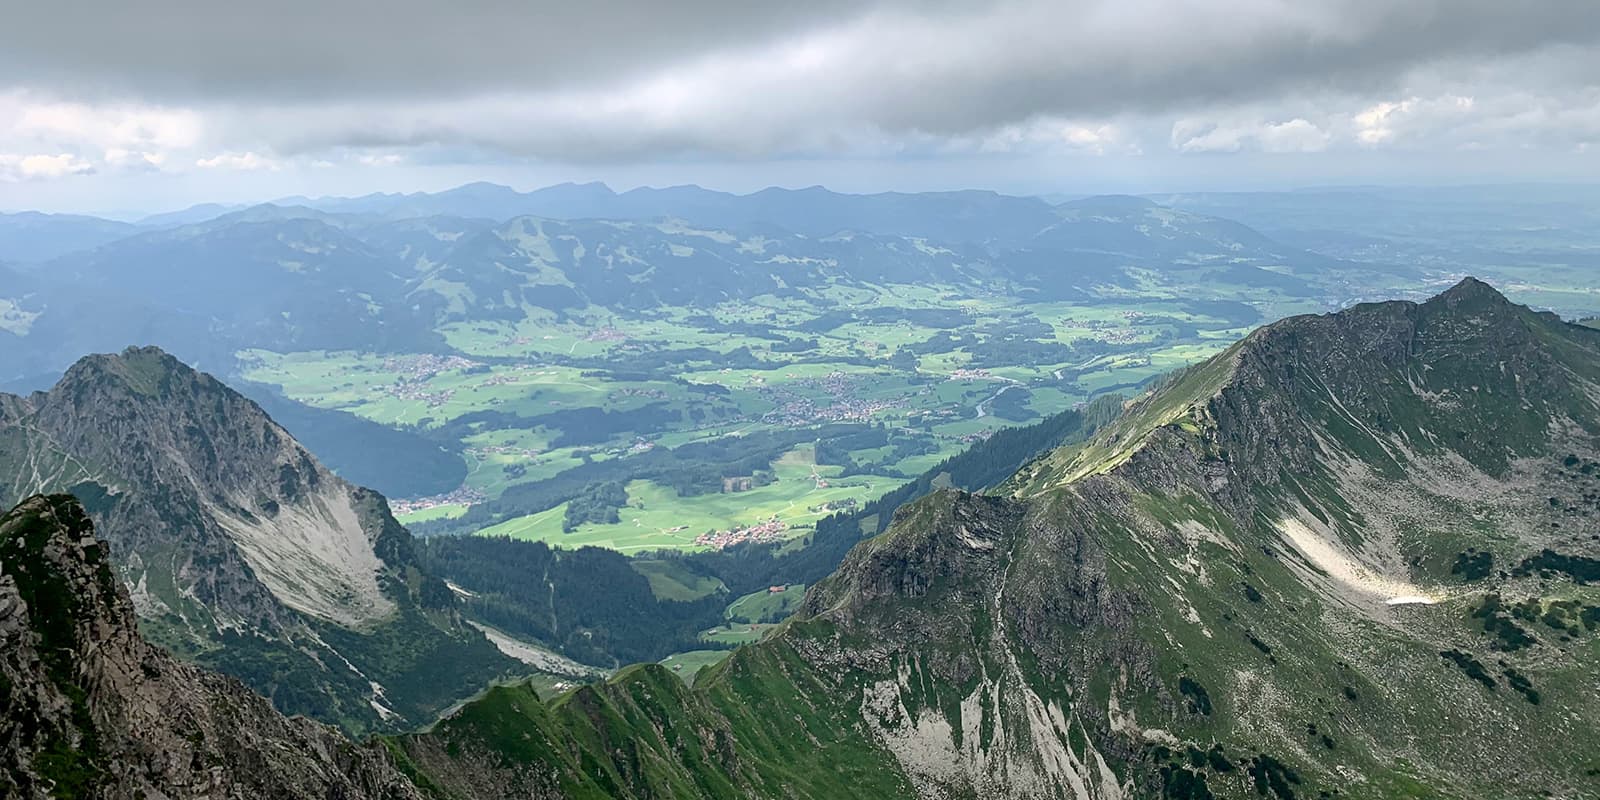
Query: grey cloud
[247,50]
[642,79]
[1026,59]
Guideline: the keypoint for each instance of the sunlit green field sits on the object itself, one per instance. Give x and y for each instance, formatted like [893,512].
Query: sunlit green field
[687,665]
[737,633]
[506,398]
[766,604]
[670,580]
[448,511]
[656,517]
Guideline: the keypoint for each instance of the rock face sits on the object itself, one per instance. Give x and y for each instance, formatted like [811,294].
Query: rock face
[241,551]
[1354,555]
[92,710]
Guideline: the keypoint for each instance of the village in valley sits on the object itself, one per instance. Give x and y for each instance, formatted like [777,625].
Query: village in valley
[770,531]
[848,412]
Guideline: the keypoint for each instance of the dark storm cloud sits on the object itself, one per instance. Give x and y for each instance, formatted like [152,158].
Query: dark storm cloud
[992,59]
[1024,59]
[182,50]
[641,79]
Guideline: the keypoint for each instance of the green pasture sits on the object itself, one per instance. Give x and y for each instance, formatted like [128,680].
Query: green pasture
[765,604]
[671,580]
[657,517]
[687,665]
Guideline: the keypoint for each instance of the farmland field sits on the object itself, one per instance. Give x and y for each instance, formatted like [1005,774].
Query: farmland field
[526,401]
[688,664]
[766,605]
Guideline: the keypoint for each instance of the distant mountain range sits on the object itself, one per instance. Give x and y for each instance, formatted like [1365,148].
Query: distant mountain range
[369,274]
[967,216]
[1468,227]
[962,216]
[32,237]
[1307,218]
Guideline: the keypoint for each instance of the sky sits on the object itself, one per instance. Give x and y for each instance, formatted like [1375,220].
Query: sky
[120,107]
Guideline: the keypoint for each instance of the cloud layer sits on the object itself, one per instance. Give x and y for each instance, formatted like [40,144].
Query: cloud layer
[173,85]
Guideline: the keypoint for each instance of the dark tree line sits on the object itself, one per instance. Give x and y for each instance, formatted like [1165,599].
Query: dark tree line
[599,502]
[588,604]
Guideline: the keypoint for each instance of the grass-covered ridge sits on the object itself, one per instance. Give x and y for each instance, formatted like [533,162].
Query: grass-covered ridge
[762,725]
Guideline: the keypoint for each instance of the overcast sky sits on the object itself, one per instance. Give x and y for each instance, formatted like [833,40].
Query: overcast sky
[156,104]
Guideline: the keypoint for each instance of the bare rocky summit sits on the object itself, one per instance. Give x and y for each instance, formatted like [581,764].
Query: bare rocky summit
[92,710]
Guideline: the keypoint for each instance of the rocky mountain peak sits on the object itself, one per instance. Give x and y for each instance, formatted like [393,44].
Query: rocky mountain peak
[146,370]
[940,552]
[144,412]
[92,710]
[240,548]
[50,558]
[1472,290]
[1467,374]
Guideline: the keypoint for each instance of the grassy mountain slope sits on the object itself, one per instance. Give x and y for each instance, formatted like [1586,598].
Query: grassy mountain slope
[1351,555]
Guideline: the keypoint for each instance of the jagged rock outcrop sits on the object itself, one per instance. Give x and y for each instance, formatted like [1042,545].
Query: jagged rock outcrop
[92,710]
[241,551]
